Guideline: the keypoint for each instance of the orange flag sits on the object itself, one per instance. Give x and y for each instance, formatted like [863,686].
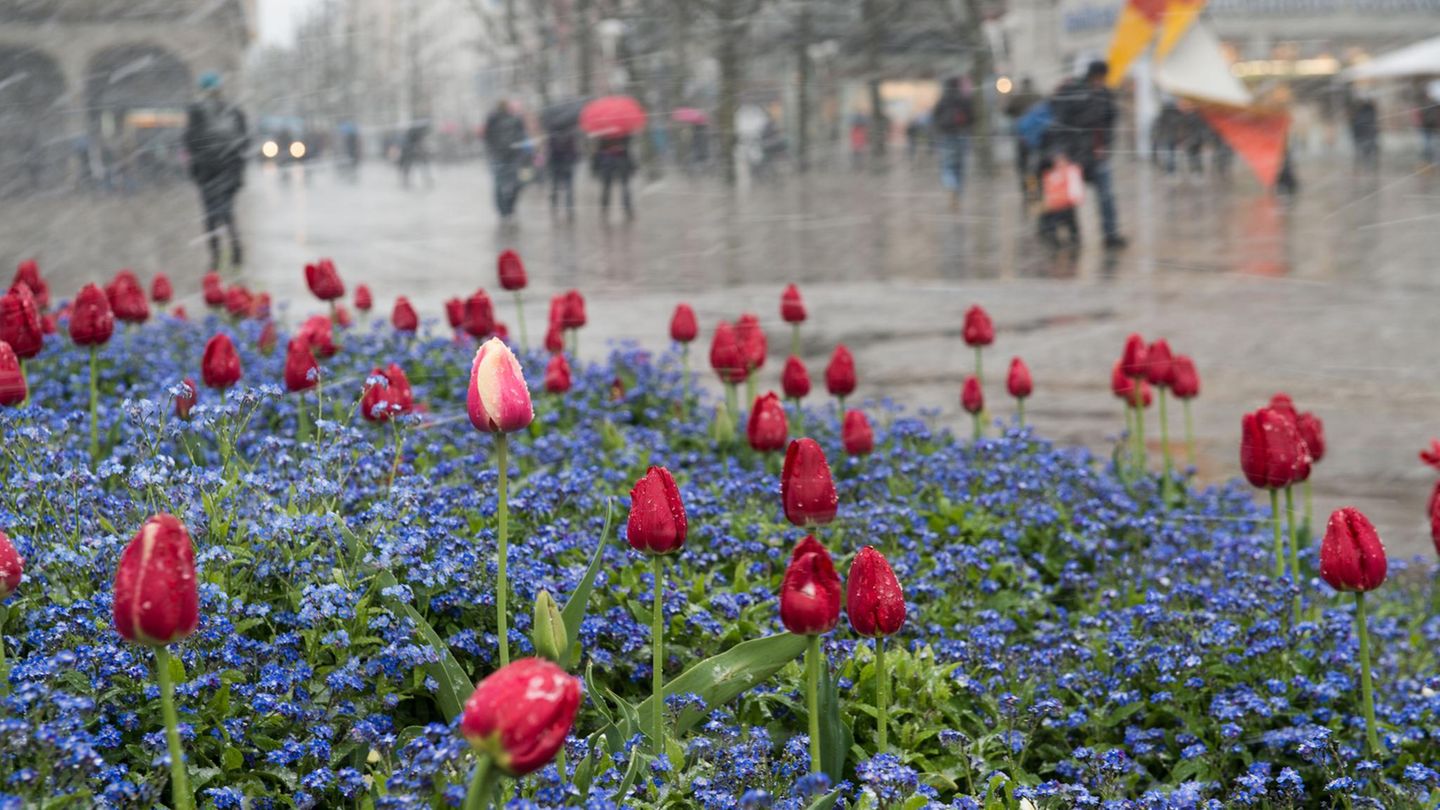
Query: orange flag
[1257,136]
[1133,32]
[1179,16]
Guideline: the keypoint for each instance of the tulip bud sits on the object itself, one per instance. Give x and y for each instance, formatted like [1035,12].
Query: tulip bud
[127,299]
[1312,431]
[220,366]
[573,314]
[1186,382]
[795,379]
[1352,558]
[683,327]
[91,321]
[1124,387]
[237,301]
[792,308]
[455,313]
[268,338]
[12,567]
[971,397]
[1159,364]
[178,313]
[301,370]
[156,599]
[557,375]
[978,329]
[810,591]
[187,399]
[1272,453]
[48,323]
[1431,455]
[498,399]
[363,299]
[13,388]
[767,428]
[511,271]
[324,280]
[1018,382]
[722,430]
[657,516]
[387,395]
[873,596]
[403,318]
[1434,511]
[856,434]
[214,289]
[28,273]
[1282,403]
[20,322]
[342,317]
[727,356]
[806,488]
[555,339]
[160,289]
[521,714]
[1133,361]
[751,338]
[547,632]
[479,315]
[840,374]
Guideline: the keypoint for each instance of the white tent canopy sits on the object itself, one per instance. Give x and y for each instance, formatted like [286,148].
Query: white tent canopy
[1420,59]
[1196,69]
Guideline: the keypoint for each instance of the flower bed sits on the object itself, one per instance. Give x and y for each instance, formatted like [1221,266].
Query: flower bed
[1072,639]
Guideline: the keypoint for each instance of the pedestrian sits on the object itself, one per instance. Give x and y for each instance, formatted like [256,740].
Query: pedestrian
[217,140]
[1021,102]
[504,142]
[859,142]
[952,118]
[612,165]
[1165,136]
[413,152]
[1062,190]
[1085,111]
[1365,132]
[562,152]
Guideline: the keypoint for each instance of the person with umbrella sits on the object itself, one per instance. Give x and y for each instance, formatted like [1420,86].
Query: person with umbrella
[504,144]
[612,120]
[562,152]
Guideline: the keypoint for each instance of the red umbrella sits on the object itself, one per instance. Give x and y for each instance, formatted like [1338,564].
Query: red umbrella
[612,115]
[689,115]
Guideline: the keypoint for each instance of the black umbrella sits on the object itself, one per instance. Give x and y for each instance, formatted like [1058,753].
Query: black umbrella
[562,115]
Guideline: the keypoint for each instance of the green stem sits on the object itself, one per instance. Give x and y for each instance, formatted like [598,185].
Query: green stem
[732,405]
[685,379]
[1189,434]
[1275,524]
[94,404]
[841,406]
[302,419]
[482,785]
[1309,514]
[1020,410]
[180,795]
[975,420]
[979,368]
[812,699]
[520,318]
[657,650]
[1139,427]
[882,693]
[750,388]
[1366,690]
[25,379]
[799,418]
[1164,443]
[502,588]
[795,339]
[1294,555]
[394,464]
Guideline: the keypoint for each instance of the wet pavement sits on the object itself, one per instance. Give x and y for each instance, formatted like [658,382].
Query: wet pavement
[1329,297]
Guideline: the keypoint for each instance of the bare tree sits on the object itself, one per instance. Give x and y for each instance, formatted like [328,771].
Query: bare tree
[967,19]
[732,20]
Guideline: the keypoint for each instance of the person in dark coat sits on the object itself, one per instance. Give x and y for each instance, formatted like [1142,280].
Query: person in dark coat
[217,139]
[504,144]
[612,164]
[952,118]
[562,152]
[1019,103]
[1085,112]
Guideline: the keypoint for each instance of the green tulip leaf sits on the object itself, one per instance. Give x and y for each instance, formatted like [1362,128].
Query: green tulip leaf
[720,678]
[574,611]
[835,735]
[825,802]
[455,685]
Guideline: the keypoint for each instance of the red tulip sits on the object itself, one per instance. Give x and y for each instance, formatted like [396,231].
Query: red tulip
[238,301]
[214,289]
[806,487]
[810,591]
[342,316]
[324,280]
[1272,454]
[13,389]
[12,567]
[727,356]
[1124,388]
[1018,382]
[91,321]
[1134,361]
[156,598]
[657,516]
[557,310]
[268,338]
[767,428]
[1434,511]
[160,290]
[403,318]
[479,315]
[178,313]
[49,325]
[1159,364]
[387,395]
[20,322]
[971,397]
[511,270]
[363,299]
[1186,382]
[187,399]
[521,714]
[1431,455]
[220,367]
[795,379]
[301,370]
[455,313]
[498,399]
[573,314]
[555,339]
[978,329]
[1352,558]
[127,299]
[1284,404]
[557,374]
[792,308]
[752,341]
[319,333]
[873,597]
[840,374]
[683,327]
[1312,430]
[28,273]
[855,433]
